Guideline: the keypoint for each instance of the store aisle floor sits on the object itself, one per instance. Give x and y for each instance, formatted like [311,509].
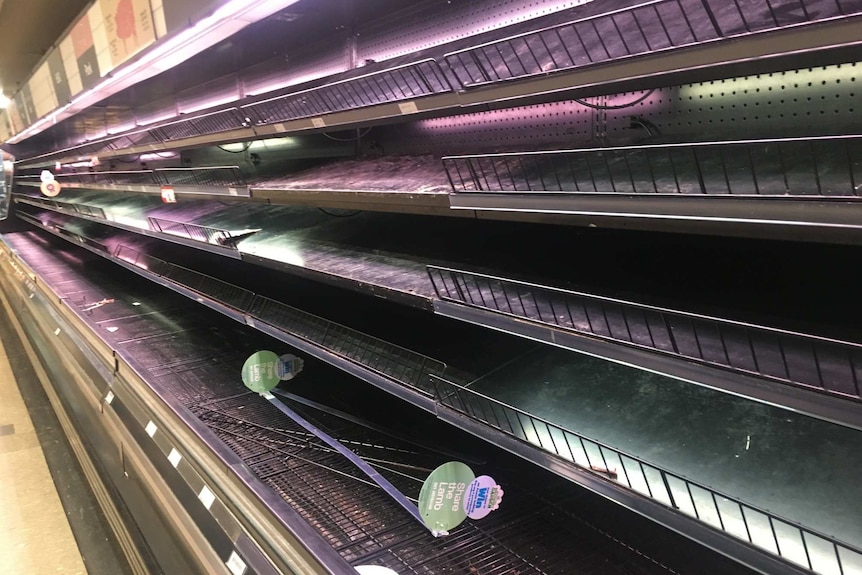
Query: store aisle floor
[37,536]
[50,520]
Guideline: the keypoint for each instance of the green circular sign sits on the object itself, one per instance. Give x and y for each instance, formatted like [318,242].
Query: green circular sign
[259,371]
[441,501]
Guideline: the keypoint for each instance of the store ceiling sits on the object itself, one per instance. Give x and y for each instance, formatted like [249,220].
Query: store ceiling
[28,29]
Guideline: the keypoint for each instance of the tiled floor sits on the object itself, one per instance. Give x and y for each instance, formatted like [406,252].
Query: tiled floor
[37,537]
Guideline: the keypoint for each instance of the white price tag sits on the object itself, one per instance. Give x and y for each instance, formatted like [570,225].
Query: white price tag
[174,457]
[206,496]
[235,563]
[408,107]
[150,428]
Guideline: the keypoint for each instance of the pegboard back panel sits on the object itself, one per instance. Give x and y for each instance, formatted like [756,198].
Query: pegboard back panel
[805,102]
[296,67]
[538,126]
[810,101]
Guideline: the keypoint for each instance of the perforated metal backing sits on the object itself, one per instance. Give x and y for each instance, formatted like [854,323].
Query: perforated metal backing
[452,21]
[803,102]
[796,102]
[556,122]
[209,94]
[295,68]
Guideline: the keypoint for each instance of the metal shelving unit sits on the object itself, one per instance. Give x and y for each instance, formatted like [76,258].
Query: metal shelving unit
[826,365]
[499,118]
[646,45]
[399,83]
[387,359]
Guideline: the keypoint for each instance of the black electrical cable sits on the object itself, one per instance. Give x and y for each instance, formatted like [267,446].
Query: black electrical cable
[358,137]
[349,215]
[135,161]
[245,149]
[642,125]
[615,107]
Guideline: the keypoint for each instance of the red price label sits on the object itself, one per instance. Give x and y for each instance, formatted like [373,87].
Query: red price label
[168,195]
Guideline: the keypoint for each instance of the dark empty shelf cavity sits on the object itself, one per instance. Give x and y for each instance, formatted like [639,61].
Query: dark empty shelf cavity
[823,167]
[648,430]
[388,254]
[642,29]
[826,365]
